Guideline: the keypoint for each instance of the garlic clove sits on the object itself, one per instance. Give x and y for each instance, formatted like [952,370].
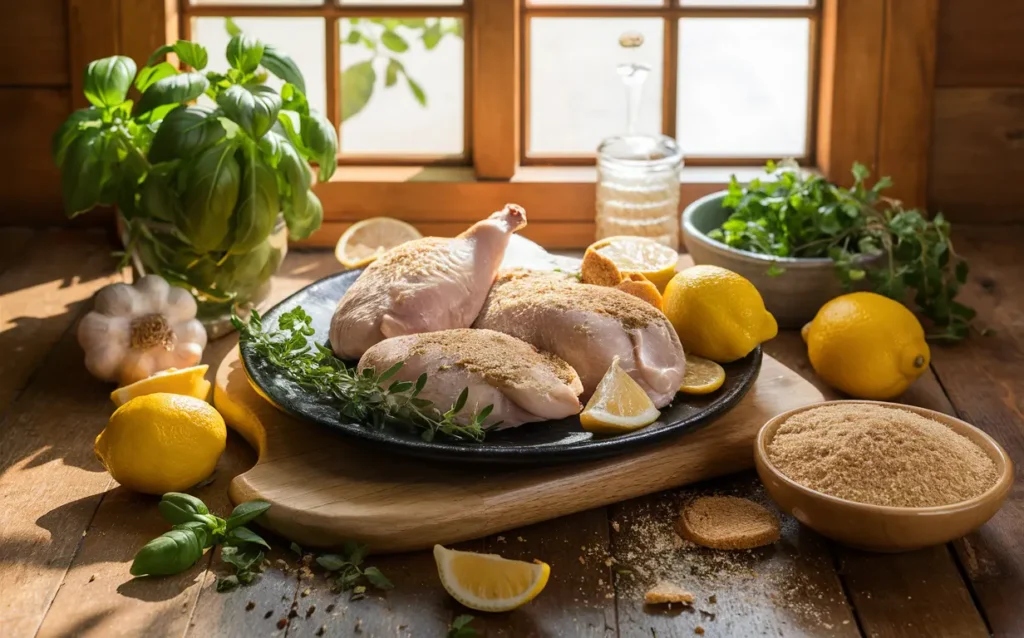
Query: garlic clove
[153,290]
[180,307]
[190,332]
[116,299]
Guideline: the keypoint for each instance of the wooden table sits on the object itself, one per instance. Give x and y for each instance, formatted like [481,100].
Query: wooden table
[68,532]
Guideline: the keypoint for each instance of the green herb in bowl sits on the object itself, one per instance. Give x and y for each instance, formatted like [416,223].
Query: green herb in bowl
[902,254]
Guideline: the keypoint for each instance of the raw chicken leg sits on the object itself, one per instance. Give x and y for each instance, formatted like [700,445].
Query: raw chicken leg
[522,384]
[588,326]
[423,285]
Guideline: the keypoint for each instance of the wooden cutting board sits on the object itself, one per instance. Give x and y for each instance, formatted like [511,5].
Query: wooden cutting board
[325,489]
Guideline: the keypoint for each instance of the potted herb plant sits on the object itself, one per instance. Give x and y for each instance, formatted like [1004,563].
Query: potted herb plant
[209,171]
[803,240]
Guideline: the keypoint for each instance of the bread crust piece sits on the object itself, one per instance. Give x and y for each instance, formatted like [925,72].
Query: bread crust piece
[727,522]
[667,593]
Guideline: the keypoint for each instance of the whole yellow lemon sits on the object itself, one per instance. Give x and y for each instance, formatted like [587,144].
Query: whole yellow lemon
[867,345]
[162,442]
[718,314]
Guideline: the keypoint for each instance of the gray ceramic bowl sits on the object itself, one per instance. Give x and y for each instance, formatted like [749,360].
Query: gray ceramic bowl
[793,297]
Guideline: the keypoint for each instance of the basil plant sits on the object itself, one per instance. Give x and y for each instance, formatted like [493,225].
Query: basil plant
[201,191]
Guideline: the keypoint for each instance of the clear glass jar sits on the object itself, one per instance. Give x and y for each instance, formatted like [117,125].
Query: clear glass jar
[236,283]
[638,188]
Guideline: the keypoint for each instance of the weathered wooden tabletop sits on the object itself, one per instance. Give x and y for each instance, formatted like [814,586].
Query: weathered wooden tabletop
[68,532]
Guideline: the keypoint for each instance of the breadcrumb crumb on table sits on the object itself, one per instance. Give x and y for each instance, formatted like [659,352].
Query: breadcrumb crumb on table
[666,592]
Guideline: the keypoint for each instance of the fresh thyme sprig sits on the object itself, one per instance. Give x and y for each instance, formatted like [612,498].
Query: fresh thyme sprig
[360,396]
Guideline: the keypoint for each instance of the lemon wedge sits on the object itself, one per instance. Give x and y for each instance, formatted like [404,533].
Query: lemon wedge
[367,240]
[618,405]
[488,582]
[186,381]
[654,261]
[702,376]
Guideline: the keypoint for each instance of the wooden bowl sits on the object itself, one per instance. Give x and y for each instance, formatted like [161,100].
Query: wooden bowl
[881,528]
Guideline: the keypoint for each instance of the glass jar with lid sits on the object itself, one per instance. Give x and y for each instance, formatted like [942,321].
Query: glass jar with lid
[638,188]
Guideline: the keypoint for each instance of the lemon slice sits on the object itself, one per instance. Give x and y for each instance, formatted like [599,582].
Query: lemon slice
[619,404]
[654,261]
[488,582]
[187,381]
[702,376]
[367,240]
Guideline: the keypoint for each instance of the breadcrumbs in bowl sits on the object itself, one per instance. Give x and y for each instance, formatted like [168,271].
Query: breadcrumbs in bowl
[882,476]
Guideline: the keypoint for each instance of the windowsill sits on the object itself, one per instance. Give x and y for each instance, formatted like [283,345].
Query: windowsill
[524,175]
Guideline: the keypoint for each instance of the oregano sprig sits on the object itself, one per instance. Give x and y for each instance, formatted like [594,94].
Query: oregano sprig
[366,397]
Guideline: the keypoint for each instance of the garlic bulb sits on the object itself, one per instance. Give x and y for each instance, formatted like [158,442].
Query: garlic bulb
[137,330]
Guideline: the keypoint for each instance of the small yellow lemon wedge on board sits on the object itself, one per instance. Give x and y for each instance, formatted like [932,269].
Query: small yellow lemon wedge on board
[367,240]
[618,405]
[702,376]
[187,381]
[608,260]
[488,582]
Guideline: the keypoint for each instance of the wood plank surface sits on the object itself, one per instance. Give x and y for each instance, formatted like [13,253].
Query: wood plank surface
[30,189]
[34,44]
[977,154]
[982,378]
[145,27]
[979,43]
[94,29]
[905,111]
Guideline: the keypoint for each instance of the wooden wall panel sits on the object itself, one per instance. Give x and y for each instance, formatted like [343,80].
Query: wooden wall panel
[977,158]
[34,44]
[30,189]
[93,32]
[980,43]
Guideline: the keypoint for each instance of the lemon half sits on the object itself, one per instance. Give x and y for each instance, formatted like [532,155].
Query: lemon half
[618,405]
[488,582]
[187,381]
[656,262]
[367,240]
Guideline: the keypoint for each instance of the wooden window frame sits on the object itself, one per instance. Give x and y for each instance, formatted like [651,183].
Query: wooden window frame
[874,78]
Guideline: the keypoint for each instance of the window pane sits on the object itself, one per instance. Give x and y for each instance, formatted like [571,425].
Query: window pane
[402,88]
[301,38]
[577,97]
[748,3]
[263,2]
[743,86]
[596,3]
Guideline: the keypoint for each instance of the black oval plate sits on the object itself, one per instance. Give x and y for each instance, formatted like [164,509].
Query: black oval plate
[532,443]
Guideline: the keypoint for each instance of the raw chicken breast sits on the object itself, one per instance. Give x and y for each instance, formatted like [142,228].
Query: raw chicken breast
[423,285]
[588,326]
[523,384]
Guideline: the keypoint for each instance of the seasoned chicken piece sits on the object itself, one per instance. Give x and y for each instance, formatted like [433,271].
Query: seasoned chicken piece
[423,285]
[523,384]
[588,326]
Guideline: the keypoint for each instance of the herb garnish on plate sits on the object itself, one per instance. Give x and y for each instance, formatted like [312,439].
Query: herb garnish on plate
[362,397]
[804,215]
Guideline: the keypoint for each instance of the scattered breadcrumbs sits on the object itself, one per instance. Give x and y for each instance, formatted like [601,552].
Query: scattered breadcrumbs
[727,522]
[880,455]
[698,630]
[666,592]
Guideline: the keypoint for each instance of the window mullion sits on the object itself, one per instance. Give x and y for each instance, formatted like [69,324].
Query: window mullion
[333,66]
[495,87]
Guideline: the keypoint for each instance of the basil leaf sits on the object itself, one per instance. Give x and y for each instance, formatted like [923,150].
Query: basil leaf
[391,73]
[245,535]
[107,80]
[245,52]
[356,552]
[417,90]
[178,508]
[253,107]
[304,218]
[357,83]
[393,41]
[294,99]
[70,129]
[246,512]
[227,583]
[173,89]
[243,559]
[432,35]
[253,222]
[231,27]
[271,148]
[184,132]
[331,562]
[210,196]
[319,136]
[199,528]
[157,197]
[283,66]
[171,553]
[82,171]
[192,54]
[377,579]
[148,75]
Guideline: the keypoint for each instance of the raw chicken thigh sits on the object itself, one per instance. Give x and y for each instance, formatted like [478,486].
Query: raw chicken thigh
[523,384]
[588,326]
[423,285]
